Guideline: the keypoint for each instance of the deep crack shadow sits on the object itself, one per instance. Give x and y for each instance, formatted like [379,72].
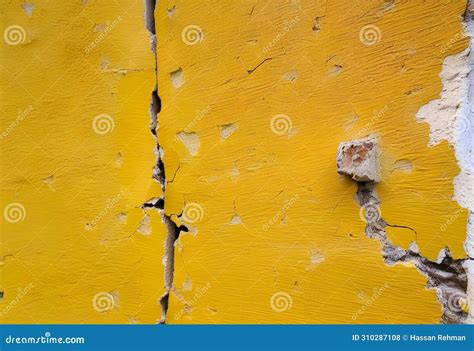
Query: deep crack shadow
[446,275]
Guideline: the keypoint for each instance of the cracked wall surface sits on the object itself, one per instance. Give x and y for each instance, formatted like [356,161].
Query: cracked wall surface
[77,164]
[279,236]
[175,162]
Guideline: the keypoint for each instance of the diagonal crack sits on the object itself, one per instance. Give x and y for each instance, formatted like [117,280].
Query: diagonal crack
[446,275]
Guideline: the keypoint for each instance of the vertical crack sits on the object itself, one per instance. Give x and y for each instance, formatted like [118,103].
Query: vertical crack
[172,230]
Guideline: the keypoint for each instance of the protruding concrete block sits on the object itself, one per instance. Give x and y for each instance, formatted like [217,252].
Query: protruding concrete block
[359,160]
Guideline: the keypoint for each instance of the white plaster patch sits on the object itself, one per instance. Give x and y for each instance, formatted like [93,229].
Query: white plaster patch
[235,220]
[290,76]
[451,118]
[227,130]
[28,8]
[121,217]
[145,225]
[316,257]
[403,166]
[188,283]
[191,141]
[234,173]
[441,114]
[177,79]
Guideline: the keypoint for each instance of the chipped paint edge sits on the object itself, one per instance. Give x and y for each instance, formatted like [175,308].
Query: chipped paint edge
[457,128]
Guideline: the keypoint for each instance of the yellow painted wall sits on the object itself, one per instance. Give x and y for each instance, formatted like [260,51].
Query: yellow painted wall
[81,189]
[301,236]
[274,222]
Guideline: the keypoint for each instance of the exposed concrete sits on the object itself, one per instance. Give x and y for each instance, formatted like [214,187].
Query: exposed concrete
[446,275]
[393,254]
[358,159]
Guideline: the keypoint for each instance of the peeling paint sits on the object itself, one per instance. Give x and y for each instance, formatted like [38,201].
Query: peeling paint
[446,275]
[451,118]
[335,84]
[242,218]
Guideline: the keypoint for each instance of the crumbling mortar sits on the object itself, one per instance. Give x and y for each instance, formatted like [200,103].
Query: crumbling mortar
[446,275]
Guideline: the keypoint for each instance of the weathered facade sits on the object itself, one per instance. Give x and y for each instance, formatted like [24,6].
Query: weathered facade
[177,162]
